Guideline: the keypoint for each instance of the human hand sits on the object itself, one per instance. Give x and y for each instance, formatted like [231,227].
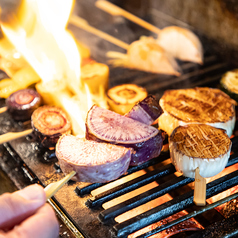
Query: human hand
[25,214]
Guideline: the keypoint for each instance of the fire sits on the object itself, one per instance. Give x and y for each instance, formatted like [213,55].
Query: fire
[38,31]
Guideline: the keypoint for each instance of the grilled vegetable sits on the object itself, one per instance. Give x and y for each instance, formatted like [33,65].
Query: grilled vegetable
[23,78]
[146,111]
[146,55]
[93,161]
[22,103]
[106,126]
[197,105]
[181,43]
[199,146]
[48,124]
[229,83]
[123,97]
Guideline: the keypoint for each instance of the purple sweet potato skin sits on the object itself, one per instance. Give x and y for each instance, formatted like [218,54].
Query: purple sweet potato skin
[146,111]
[143,151]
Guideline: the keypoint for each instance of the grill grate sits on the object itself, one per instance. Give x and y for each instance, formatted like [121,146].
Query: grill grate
[76,199]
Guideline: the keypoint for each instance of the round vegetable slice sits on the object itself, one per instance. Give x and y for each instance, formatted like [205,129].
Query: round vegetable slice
[49,123]
[229,83]
[115,128]
[122,98]
[22,103]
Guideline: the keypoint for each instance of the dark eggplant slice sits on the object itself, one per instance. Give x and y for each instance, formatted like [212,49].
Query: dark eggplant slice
[22,103]
[93,162]
[48,124]
[106,126]
[122,98]
[146,111]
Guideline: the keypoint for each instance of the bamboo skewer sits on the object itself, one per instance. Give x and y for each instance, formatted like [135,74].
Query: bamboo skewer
[117,11]
[80,22]
[13,135]
[199,189]
[52,188]
[3,109]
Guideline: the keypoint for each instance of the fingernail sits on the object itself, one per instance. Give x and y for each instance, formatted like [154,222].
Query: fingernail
[32,192]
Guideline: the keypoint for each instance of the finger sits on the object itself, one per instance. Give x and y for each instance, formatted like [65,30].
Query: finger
[42,224]
[19,205]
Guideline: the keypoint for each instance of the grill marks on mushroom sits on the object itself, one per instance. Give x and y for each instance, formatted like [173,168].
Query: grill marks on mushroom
[199,145]
[197,105]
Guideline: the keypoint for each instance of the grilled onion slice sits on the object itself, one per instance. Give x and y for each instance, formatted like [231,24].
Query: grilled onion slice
[122,98]
[48,124]
[22,103]
[197,105]
[93,162]
[199,146]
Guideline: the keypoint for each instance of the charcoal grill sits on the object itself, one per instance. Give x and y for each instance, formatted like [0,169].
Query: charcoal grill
[26,162]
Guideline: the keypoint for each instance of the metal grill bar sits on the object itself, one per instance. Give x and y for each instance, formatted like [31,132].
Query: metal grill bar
[143,198]
[171,207]
[188,216]
[87,189]
[130,185]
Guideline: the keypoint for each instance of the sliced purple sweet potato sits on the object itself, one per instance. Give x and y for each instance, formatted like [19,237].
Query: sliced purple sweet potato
[146,111]
[92,161]
[106,126]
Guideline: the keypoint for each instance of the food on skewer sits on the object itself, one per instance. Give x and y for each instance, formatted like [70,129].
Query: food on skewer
[199,146]
[22,79]
[95,76]
[103,125]
[122,98]
[181,43]
[229,83]
[22,103]
[48,124]
[92,161]
[197,105]
[146,55]
[152,58]
[146,111]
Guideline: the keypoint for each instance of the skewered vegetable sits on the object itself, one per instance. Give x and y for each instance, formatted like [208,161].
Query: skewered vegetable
[22,79]
[106,126]
[181,43]
[96,75]
[197,105]
[146,111]
[199,146]
[92,161]
[146,55]
[122,98]
[48,124]
[22,103]
[229,83]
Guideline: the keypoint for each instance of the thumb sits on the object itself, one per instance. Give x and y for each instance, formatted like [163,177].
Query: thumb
[19,205]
